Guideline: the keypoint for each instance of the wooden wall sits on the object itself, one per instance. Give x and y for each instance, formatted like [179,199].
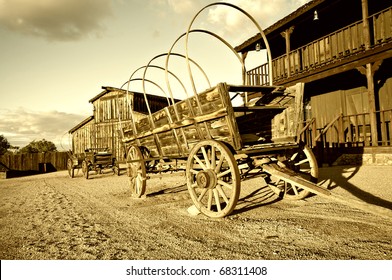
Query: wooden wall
[34,161]
[104,129]
[326,107]
[385,95]
[82,138]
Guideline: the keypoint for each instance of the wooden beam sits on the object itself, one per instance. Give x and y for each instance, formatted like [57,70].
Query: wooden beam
[375,66]
[369,71]
[372,103]
[286,35]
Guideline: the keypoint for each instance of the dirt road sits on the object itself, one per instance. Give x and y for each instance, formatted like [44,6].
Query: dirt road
[52,216]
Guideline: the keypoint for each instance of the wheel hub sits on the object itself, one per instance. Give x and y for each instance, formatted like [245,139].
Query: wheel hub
[206,179]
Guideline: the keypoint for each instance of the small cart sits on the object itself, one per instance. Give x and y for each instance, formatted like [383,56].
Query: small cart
[93,159]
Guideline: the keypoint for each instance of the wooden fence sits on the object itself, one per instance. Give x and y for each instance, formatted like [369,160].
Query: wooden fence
[41,162]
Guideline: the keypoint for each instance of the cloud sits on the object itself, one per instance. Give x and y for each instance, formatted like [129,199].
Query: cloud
[183,6]
[55,20]
[227,22]
[22,126]
[266,12]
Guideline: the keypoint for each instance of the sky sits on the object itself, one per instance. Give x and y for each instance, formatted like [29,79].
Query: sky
[55,55]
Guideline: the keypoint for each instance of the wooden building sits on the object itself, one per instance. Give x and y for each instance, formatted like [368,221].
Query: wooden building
[342,51]
[111,111]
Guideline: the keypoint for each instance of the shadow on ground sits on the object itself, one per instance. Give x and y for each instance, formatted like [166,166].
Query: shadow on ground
[339,177]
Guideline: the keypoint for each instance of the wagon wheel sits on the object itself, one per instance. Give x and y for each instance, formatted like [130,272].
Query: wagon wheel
[303,162]
[116,167]
[85,168]
[213,178]
[71,168]
[136,171]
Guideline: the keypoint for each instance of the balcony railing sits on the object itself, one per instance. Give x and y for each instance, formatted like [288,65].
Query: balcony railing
[334,46]
[350,130]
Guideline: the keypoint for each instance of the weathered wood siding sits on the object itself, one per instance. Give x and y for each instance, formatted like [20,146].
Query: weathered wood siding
[385,95]
[326,107]
[82,138]
[35,161]
[112,105]
[100,135]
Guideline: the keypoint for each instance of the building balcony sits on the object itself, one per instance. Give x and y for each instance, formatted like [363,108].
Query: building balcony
[342,50]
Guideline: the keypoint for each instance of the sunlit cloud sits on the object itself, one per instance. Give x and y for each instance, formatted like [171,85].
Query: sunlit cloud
[59,20]
[183,6]
[22,126]
[234,24]
[228,22]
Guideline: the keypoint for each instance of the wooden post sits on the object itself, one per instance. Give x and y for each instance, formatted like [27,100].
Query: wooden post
[341,139]
[286,35]
[366,29]
[245,79]
[369,75]
[372,103]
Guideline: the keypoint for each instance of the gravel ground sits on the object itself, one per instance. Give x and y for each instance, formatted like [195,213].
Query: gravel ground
[52,216]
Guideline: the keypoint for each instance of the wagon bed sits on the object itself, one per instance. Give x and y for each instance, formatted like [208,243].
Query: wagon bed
[174,130]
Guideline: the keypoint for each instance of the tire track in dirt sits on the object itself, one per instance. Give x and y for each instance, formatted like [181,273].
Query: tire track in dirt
[60,227]
[55,217]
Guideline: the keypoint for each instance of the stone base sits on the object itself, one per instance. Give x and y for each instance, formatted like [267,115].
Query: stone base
[3,174]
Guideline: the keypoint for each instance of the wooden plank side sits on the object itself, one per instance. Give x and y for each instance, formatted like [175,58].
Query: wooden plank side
[160,118]
[168,144]
[143,125]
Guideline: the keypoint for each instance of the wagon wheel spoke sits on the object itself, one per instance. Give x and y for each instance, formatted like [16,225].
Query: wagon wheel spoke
[222,193]
[213,178]
[217,200]
[206,160]
[292,188]
[228,171]
[305,172]
[219,165]
[225,184]
[203,192]
[209,204]
[301,162]
[213,158]
[202,165]
[292,158]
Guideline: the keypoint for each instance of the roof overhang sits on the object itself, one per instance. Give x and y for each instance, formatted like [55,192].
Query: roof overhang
[84,122]
[306,9]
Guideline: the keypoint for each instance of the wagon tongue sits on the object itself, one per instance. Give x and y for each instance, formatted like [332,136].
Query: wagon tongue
[291,177]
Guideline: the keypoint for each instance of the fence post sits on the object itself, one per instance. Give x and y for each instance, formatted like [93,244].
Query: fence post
[341,139]
[314,133]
